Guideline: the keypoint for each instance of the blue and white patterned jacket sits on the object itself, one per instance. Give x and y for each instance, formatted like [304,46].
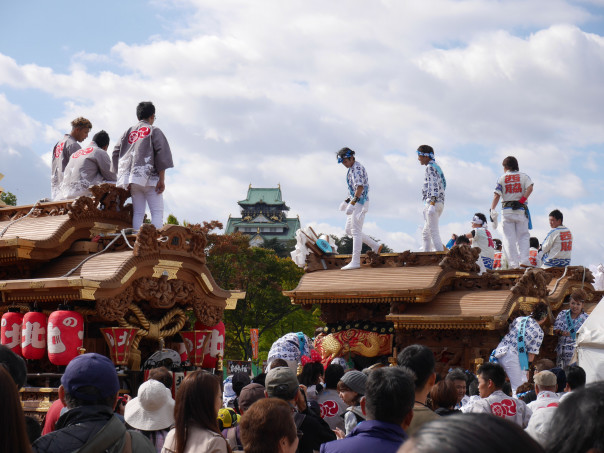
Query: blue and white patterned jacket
[533,337]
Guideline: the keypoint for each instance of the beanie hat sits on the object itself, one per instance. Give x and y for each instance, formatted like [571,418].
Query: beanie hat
[355,381]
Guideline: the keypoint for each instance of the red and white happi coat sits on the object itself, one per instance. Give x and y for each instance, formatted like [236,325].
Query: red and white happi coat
[501,405]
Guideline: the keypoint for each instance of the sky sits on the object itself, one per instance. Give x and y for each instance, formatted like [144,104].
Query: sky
[266,93]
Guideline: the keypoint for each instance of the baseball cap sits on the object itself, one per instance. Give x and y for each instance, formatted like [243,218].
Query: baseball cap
[546,378]
[249,395]
[92,370]
[281,382]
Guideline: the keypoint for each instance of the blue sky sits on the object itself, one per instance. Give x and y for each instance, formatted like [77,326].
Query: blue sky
[265,92]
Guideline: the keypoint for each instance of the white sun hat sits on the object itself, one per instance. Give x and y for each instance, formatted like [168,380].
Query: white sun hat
[152,409]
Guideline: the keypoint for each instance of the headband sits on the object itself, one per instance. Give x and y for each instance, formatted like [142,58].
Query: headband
[477,220]
[345,156]
[430,155]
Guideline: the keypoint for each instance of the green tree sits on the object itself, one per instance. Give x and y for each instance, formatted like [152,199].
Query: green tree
[172,220]
[8,198]
[281,248]
[345,245]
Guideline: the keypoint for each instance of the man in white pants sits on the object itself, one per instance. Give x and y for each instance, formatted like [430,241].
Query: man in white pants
[514,188]
[433,196]
[140,160]
[356,205]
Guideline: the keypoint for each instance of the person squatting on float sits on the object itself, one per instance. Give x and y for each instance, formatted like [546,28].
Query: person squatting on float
[481,238]
[356,206]
[433,196]
[558,244]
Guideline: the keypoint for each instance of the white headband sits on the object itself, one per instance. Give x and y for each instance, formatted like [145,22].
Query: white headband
[477,220]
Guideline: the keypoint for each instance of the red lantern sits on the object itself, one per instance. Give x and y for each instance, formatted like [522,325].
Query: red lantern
[196,342]
[215,347]
[65,335]
[11,330]
[33,335]
[119,340]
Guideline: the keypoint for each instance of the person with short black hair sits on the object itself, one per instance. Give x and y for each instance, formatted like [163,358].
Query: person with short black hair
[89,388]
[567,324]
[86,168]
[513,189]
[388,405]
[534,255]
[356,206]
[557,246]
[140,160]
[460,380]
[481,238]
[420,360]
[521,344]
[62,151]
[575,378]
[433,197]
[332,405]
[491,378]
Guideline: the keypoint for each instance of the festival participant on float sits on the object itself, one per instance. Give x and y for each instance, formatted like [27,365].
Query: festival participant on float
[481,237]
[514,188]
[491,378]
[355,206]
[140,159]
[558,244]
[86,168]
[80,128]
[433,196]
[566,327]
[534,257]
[520,345]
[500,259]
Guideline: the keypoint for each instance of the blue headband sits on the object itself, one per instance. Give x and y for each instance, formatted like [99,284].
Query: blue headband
[347,155]
[430,155]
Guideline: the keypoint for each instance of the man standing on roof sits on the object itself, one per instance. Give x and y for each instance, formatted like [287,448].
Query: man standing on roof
[514,188]
[433,196]
[558,243]
[140,160]
[80,128]
[356,205]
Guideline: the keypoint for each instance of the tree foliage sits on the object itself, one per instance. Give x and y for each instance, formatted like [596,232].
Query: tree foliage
[345,245]
[172,220]
[8,198]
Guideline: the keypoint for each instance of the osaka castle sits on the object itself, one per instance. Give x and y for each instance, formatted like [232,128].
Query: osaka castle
[263,217]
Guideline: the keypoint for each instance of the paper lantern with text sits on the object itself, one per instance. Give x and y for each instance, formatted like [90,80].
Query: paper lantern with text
[65,336]
[33,335]
[119,340]
[214,347]
[11,330]
[196,342]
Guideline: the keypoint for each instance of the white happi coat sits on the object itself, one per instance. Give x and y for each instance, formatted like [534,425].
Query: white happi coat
[140,155]
[501,405]
[86,167]
[557,247]
[482,238]
[544,399]
[60,157]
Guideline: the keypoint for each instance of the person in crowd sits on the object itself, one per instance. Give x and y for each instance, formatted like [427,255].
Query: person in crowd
[444,398]
[291,347]
[526,392]
[557,246]
[521,344]
[420,360]
[13,433]
[351,389]
[500,259]
[388,405]
[240,379]
[282,383]
[491,377]
[62,151]
[196,417]
[474,395]
[52,416]
[545,388]
[260,379]
[163,375]
[14,364]
[268,427]
[459,379]
[433,197]
[312,376]
[86,168]
[151,412]
[33,429]
[534,255]
[513,189]
[560,378]
[567,325]
[481,237]
[356,206]
[332,406]
[140,160]
[248,396]
[469,433]
[575,379]
[578,426]
[89,388]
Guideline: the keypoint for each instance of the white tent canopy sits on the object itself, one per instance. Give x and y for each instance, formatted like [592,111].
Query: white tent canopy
[590,345]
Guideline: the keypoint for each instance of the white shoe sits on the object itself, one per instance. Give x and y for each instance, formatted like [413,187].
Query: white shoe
[351,265]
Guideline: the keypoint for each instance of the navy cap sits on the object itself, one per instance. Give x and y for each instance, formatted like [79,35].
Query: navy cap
[93,370]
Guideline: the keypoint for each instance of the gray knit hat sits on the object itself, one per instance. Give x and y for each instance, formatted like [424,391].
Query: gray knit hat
[355,381]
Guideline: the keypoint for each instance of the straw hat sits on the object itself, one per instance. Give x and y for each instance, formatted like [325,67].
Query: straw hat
[152,409]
